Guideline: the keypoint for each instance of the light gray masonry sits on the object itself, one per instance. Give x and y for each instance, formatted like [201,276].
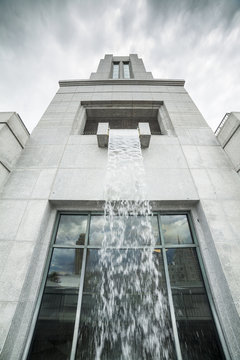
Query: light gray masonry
[62,169]
[13,137]
[228,134]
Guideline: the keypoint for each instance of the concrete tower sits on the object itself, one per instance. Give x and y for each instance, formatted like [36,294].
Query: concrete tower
[51,199]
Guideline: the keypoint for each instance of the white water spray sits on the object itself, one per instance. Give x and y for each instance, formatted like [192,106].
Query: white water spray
[131,311]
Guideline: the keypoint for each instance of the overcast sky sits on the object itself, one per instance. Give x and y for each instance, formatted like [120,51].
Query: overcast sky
[43,41]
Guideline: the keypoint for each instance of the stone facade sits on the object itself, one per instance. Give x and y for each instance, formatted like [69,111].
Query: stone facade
[13,137]
[228,134]
[63,169]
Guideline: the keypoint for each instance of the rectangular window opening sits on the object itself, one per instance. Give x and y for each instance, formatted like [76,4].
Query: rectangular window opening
[126,70]
[122,116]
[115,74]
[75,253]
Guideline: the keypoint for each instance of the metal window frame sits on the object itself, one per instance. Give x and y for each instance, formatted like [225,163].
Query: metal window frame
[161,246]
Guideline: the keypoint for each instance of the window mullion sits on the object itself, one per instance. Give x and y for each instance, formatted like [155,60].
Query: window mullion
[171,306]
[79,303]
[212,307]
[169,294]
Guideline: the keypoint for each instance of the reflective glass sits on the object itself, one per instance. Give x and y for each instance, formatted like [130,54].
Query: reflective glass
[175,229]
[54,329]
[196,329]
[71,230]
[115,70]
[134,231]
[126,70]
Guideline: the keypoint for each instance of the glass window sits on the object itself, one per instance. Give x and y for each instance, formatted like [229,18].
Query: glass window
[71,230]
[196,329]
[54,329]
[128,310]
[116,70]
[175,229]
[133,231]
[126,70]
[124,268]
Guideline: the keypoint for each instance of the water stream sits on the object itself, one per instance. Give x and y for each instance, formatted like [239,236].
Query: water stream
[132,320]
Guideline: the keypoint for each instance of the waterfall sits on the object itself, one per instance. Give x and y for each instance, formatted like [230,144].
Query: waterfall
[131,311]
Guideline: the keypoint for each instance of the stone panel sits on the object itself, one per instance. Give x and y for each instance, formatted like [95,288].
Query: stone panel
[11,213]
[20,184]
[45,156]
[170,184]
[14,273]
[7,310]
[78,184]
[84,156]
[50,136]
[164,157]
[207,157]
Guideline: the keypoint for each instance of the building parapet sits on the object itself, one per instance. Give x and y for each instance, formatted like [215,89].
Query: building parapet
[157,82]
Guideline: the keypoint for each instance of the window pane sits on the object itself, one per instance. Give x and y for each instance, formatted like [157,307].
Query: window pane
[125,297]
[71,230]
[197,333]
[134,231]
[54,329]
[115,70]
[175,229]
[126,70]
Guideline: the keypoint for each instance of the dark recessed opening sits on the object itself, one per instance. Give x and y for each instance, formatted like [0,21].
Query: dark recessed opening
[121,118]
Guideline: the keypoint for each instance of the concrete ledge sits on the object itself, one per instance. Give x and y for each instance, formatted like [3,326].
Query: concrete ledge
[159,82]
[103,134]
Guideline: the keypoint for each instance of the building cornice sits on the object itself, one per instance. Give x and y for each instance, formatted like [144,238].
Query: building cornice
[154,82]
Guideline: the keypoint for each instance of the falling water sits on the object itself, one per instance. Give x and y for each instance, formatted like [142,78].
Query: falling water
[131,311]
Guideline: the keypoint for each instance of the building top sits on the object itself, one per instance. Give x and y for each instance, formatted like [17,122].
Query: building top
[121,67]
[126,69]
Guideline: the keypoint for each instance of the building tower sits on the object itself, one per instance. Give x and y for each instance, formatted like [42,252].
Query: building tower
[51,212]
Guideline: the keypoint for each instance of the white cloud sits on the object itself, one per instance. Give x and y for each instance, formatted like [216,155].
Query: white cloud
[43,42]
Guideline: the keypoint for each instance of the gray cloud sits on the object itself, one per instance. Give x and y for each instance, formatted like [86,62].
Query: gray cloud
[44,41]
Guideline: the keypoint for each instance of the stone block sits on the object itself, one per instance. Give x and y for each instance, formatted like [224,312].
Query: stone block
[29,228]
[20,184]
[164,156]
[15,271]
[220,228]
[170,184]
[49,136]
[226,183]
[79,184]
[44,156]
[10,148]
[43,184]
[7,310]
[103,134]
[4,173]
[145,134]
[198,136]
[203,184]
[84,156]
[11,213]
[82,139]
[5,248]
[208,157]
[14,122]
